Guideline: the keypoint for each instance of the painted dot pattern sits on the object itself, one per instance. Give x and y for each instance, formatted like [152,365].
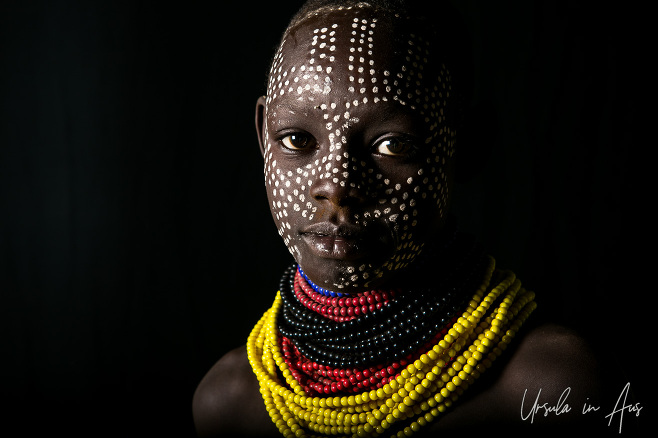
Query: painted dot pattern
[312,79]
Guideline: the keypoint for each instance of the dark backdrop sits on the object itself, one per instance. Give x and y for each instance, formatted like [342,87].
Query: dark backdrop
[136,246]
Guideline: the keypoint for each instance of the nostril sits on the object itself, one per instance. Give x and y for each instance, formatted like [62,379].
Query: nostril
[340,194]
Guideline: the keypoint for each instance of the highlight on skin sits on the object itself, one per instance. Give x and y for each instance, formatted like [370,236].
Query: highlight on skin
[341,70]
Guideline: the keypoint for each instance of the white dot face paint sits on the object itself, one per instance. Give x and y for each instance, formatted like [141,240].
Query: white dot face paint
[357,147]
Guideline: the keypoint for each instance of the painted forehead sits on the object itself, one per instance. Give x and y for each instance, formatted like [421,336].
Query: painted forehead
[350,53]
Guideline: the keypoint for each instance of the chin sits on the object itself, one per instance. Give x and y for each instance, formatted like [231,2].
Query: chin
[349,276]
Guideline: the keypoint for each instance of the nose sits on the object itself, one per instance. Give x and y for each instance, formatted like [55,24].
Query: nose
[339,190]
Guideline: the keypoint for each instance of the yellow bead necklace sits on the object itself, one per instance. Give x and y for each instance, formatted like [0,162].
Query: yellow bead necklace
[420,393]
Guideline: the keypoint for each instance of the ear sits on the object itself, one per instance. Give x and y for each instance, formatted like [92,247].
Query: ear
[260,123]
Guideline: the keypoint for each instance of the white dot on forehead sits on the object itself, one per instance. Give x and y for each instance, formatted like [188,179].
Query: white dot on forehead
[406,90]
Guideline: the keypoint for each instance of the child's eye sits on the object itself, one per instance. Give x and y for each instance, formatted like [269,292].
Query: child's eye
[297,141]
[394,147]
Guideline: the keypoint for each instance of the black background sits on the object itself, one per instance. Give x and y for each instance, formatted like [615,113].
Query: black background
[136,246]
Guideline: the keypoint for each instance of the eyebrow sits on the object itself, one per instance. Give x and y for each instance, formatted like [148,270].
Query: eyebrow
[299,105]
[390,113]
[295,107]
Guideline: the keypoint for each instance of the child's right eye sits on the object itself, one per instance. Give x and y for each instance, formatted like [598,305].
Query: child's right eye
[297,141]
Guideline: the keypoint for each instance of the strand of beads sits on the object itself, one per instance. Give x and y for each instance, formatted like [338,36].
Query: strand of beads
[319,289]
[457,271]
[391,332]
[417,395]
[339,309]
[319,379]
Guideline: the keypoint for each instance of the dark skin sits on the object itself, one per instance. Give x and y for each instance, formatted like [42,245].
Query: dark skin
[550,358]
[358,173]
[390,139]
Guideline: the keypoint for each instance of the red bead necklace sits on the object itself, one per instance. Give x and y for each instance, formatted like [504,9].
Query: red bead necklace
[318,379]
[340,309]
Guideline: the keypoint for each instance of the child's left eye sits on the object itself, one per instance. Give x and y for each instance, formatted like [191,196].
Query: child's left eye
[393,147]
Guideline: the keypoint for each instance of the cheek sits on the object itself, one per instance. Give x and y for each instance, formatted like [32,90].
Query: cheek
[414,194]
[414,203]
[288,196]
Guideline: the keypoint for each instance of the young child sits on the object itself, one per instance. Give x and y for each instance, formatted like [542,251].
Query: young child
[390,321]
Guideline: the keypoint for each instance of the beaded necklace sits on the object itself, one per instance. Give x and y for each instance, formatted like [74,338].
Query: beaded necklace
[340,309]
[313,385]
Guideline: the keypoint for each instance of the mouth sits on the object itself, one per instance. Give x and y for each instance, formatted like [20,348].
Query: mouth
[339,242]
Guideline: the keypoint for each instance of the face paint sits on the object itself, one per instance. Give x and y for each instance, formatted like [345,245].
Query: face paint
[357,147]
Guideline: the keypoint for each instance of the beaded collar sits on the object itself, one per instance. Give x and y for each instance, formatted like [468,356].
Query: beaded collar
[383,361]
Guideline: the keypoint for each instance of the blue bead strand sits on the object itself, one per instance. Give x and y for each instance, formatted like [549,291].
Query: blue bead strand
[319,289]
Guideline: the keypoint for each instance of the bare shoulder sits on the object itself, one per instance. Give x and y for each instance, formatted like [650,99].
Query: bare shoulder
[553,358]
[538,386]
[227,401]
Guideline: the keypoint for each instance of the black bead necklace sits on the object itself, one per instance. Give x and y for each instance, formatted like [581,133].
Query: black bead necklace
[391,332]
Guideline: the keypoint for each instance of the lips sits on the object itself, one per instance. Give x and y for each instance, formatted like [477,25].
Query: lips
[340,242]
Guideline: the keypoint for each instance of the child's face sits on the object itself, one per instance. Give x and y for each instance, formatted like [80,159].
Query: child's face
[357,148]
